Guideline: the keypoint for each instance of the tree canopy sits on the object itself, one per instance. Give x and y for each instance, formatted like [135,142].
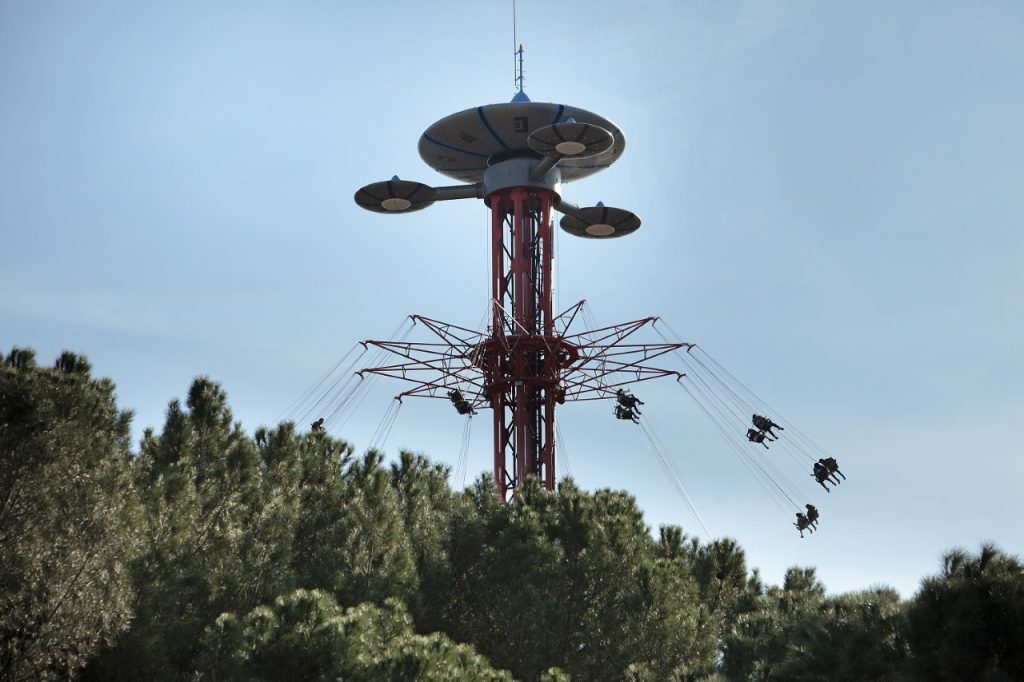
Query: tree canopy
[210,554]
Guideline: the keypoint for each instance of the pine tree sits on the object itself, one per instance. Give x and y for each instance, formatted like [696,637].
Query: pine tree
[571,580]
[427,505]
[305,635]
[967,622]
[204,495]
[69,516]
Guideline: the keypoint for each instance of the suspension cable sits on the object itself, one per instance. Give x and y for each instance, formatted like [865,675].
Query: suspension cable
[771,487]
[721,388]
[343,402]
[674,475]
[341,380]
[462,465]
[380,436]
[563,453]
[308,394]
[801,442]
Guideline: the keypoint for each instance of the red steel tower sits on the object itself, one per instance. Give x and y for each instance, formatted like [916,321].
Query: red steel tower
[516,157]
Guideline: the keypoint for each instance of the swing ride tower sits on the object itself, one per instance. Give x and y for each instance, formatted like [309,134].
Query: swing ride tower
[517,157]
[523,360]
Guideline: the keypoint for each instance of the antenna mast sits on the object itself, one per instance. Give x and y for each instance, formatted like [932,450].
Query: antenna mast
[519,71]
[517,52]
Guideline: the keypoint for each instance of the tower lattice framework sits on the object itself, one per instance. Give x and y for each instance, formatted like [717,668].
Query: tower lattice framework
[527,362]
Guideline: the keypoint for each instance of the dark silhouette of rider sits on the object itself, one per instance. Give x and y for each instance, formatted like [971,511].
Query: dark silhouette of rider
[833,467]
[803,524]
[821,475]
[462,405]
[812,515]
[828,470]
[765,424]
[626,413]
[628,401]
[756,437]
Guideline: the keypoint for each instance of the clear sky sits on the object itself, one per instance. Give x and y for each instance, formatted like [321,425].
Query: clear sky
[831,195]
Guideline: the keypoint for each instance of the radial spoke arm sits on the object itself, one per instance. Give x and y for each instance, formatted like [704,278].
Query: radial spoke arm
[474,191]
[566,318]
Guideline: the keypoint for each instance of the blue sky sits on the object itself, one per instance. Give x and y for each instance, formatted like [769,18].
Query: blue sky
[831,197]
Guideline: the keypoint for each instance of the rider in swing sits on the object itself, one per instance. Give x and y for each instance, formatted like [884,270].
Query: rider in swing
[628,400]
[766,425]
[622,412]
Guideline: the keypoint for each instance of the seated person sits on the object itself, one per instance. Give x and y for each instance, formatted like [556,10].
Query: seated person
[765,424]
[756,437]
[626,413]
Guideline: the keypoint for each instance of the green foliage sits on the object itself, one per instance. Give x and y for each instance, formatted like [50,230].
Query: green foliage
[375,558]
[857,636]
[214,556]
[305,635]
[797,633]
[427,506]
[233,523]
[206,552]
[68,516]
[570,580]
[720,569]
[759,642]
[554,674]
[967,623]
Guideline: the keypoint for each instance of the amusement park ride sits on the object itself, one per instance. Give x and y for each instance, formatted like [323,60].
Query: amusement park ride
[518,157]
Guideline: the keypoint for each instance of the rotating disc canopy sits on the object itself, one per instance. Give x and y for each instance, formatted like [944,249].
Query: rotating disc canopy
[601,222]
[571,139]
[464,145]
[395,196]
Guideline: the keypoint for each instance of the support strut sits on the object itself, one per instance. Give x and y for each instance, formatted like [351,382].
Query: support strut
[522,359]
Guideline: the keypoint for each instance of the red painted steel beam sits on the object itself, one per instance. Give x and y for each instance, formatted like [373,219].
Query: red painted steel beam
[522,358]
